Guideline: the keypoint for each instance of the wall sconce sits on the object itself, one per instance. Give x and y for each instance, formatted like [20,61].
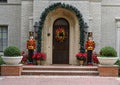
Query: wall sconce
[36,27]
[86,27]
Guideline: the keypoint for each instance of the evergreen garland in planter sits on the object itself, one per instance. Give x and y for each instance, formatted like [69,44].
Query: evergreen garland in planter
[65,6]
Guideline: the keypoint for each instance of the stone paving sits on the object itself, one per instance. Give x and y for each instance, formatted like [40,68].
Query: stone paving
[59,80]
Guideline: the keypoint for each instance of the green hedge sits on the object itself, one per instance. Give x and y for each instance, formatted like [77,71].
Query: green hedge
[1,61]
[12,51]
[108,51]
[118,63]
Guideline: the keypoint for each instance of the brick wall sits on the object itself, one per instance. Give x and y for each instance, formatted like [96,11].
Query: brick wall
[10,70]
[108,71]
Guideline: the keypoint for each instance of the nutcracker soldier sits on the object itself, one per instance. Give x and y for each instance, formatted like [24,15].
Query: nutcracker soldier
[90,45]
[31,46]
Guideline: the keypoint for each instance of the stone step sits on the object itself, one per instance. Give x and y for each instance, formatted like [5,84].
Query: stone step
[82,68]
[61,70]
[54,72]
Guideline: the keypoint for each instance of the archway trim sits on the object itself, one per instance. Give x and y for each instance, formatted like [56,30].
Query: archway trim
[68,7]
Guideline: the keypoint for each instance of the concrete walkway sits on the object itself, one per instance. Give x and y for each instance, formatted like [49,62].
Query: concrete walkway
[59,80]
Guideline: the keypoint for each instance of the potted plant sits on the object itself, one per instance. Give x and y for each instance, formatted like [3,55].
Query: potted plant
[81,57]
[39,57]
[95,58]
[12,55]
[107,55]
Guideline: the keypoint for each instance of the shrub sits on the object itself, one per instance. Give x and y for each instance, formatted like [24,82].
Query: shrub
[12,51]
[118,63]
[1,61]
[108,52]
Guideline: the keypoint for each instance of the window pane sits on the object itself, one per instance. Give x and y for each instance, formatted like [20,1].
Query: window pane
[0,32]
[0,42]
[3,0]
[4,42]
[4,36]
[0,35]
[4,48]
[1,48]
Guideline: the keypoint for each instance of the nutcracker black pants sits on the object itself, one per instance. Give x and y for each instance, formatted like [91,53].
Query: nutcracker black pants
[30,54]
[89,57]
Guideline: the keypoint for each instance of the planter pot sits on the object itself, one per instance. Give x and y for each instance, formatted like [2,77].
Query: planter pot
[43,62]
[81,62]
[12,60]
[107,61]
[40,62]
[108,70]
[11,70]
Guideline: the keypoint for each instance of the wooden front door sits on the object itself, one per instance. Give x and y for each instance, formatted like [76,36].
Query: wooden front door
[61,41]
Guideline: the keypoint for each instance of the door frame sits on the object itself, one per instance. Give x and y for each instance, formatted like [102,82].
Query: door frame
[74,34]
[58,23]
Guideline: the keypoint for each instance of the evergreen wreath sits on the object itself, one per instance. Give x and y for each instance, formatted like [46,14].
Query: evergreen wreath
[65,6]
[60,34]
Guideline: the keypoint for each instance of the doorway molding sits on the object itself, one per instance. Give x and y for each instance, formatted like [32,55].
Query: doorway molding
[76,23]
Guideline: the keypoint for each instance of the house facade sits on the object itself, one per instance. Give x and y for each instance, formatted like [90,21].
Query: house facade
[74,17]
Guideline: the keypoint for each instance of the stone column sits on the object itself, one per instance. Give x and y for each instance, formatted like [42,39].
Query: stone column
[117,19]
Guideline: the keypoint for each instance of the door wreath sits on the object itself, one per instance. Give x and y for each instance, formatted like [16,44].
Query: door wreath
[60,34]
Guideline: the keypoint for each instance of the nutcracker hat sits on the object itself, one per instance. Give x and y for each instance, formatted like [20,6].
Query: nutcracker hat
[90,34]
[31,33]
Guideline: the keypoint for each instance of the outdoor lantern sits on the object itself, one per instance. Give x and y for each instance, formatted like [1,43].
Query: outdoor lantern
[36,27]
[86,28]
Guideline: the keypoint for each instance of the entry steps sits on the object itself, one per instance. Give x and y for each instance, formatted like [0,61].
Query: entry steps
[60,70]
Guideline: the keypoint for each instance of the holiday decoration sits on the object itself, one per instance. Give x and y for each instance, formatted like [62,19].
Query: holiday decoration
[70,8]
[90,45]
[60,34]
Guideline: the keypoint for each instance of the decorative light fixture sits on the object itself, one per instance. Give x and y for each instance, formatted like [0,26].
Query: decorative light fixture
[86,28]
[36,27]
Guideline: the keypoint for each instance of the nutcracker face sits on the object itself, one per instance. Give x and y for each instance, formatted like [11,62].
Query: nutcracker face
[90,44]
[90,38]
[31,43]
[31,37]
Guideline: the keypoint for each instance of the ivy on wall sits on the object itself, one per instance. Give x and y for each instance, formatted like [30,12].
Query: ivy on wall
[68,7]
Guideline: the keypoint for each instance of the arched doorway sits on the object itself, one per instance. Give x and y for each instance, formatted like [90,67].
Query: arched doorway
[60,41]
[74,34]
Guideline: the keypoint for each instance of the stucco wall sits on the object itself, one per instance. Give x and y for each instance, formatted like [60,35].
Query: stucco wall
[15,1]
[82,6]
[26,13]
[95,23]
[110,10]
[11,15]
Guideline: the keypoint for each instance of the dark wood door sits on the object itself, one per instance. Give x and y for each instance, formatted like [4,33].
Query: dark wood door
[61,42]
